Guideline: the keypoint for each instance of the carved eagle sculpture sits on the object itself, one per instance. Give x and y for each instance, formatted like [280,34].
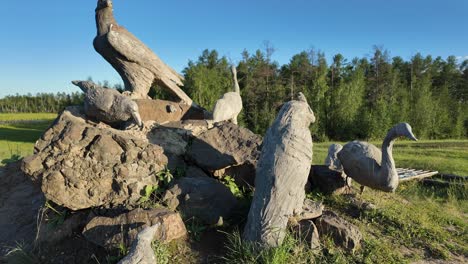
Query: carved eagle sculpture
[138,66]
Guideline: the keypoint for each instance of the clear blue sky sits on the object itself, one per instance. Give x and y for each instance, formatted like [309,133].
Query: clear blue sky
[46,44]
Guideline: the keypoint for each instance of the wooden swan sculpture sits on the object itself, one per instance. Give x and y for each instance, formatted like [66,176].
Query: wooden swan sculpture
[371,167]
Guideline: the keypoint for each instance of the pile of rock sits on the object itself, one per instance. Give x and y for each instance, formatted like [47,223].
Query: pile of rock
[99,173]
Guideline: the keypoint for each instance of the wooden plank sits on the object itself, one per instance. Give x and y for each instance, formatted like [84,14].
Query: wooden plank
[416,174]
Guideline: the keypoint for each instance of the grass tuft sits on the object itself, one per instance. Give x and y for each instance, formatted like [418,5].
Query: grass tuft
[20,255]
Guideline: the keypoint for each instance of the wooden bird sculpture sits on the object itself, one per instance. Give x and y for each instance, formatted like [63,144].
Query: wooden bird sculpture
[229,105]
[138,66]
[281,174]
[108,105]
[370,166]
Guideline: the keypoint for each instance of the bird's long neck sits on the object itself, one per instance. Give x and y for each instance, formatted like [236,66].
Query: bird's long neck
[104,18]
[387,170]
[236,84]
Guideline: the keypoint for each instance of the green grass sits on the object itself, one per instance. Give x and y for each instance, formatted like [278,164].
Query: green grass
[292,250]
[417,222]
[26,116]
[445,156]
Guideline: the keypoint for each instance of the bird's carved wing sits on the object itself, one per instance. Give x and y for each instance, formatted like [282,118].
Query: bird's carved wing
[103,100]
[132,49]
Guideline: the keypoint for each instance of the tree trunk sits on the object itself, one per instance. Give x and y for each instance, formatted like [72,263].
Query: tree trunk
[281,175]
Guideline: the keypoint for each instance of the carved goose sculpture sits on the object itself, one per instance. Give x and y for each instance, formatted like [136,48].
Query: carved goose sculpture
[370,166]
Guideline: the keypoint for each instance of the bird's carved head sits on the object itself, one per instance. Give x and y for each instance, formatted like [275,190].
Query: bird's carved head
[132,108]
[301,97]
[101,4]
[404,130]
[309,113]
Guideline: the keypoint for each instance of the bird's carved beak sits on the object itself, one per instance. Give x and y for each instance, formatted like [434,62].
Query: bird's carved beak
[137,118]
[412,137]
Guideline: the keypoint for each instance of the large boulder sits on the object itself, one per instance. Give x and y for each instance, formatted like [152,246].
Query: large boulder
[80,164]
[201,197]
[341,231]
[111,232]
[223,146]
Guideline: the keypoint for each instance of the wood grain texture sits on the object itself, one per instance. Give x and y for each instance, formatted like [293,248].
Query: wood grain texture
[281,175]
[137,64]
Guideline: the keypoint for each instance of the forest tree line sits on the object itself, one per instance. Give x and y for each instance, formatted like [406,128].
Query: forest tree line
[46,102]
[357,99]
[39,103]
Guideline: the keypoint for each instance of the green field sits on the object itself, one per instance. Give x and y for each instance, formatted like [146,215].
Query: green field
[17,138]
[26,116]
[445,156]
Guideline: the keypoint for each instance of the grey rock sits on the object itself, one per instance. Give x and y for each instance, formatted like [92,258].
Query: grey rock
[173,142]
[329,181]
[310,210]
[341,231]
[362,205]
[281,176]
[223,146]
[110,232]
[108,105]
[308,232]
[201,197]
[81,165]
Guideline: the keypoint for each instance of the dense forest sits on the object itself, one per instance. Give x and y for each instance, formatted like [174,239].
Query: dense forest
[361,98]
